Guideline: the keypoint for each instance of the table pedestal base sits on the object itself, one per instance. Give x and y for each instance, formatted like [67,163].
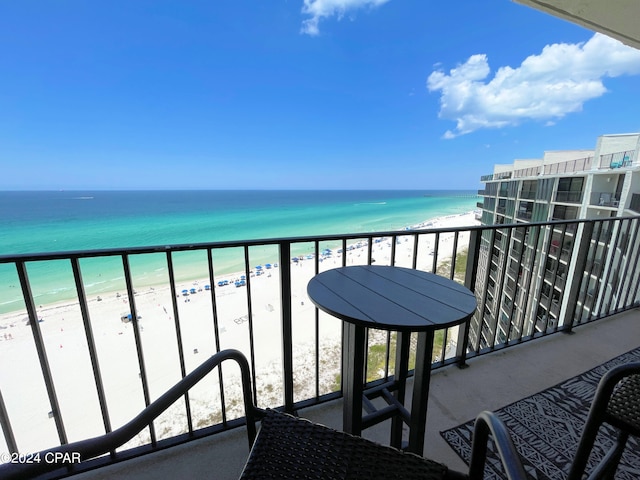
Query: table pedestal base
[394,392]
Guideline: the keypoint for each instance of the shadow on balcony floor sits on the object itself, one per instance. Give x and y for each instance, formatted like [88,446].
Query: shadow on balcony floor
[457,395]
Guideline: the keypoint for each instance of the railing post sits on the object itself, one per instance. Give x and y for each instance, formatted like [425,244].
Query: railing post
[138,340]
[40,349]
[9,439]
[578,275]
[287,336]
[91,345]
[633,257]
[471,271]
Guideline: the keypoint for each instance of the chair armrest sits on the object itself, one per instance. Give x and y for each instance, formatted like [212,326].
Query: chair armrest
[107,443]
[488,423]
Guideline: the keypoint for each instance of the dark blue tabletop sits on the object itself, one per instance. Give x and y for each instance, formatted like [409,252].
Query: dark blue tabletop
[391,298]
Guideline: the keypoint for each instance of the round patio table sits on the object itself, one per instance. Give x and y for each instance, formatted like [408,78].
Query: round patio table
[395,299]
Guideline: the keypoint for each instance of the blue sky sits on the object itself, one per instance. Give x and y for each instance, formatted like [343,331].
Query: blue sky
[297,93]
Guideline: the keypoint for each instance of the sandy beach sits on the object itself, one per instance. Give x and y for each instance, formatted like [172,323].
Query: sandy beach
[65,340]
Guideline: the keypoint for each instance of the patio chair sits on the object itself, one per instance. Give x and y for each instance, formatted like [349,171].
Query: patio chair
[290,448]
[617,403]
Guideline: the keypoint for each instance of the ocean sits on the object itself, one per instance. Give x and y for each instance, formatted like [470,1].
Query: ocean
[33,222]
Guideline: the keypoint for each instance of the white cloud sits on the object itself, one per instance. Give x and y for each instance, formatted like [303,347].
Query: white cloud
[544,87]
[320,9]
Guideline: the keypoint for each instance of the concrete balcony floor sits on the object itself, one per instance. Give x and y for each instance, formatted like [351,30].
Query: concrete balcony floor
[456,396]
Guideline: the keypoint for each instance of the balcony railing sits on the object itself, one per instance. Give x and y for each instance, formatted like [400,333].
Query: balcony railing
[525,214]
[568,196]
[303,367]
[617,159]
[578,165]
[528,194]
[527,172]
[502,175]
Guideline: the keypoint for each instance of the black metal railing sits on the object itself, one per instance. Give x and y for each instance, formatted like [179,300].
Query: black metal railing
[505,266]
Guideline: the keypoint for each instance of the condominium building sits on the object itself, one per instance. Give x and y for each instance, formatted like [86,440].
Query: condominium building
[525,297]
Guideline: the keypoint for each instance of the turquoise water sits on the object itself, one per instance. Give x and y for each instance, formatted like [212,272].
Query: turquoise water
[35,222]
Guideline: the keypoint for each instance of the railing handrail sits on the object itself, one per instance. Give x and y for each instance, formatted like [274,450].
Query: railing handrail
[177,247]
[107,443]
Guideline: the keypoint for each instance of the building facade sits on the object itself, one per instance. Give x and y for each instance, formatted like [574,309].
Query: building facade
[527,296]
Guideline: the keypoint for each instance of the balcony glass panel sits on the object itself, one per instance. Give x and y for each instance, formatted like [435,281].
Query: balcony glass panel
[569,190]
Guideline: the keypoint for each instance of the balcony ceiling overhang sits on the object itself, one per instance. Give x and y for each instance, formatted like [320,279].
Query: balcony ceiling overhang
[615,18]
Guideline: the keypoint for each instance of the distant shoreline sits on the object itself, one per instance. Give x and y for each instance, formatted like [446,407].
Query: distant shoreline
[64,222]
[193,278]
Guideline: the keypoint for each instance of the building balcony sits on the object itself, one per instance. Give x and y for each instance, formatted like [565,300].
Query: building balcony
[604,199]
[502,176]
[616,160]
[527,172]
[528,194]
[568,196]
[570,166]
[294,349]
[556,277]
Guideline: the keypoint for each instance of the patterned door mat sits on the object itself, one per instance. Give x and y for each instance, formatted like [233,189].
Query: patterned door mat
[546,429]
